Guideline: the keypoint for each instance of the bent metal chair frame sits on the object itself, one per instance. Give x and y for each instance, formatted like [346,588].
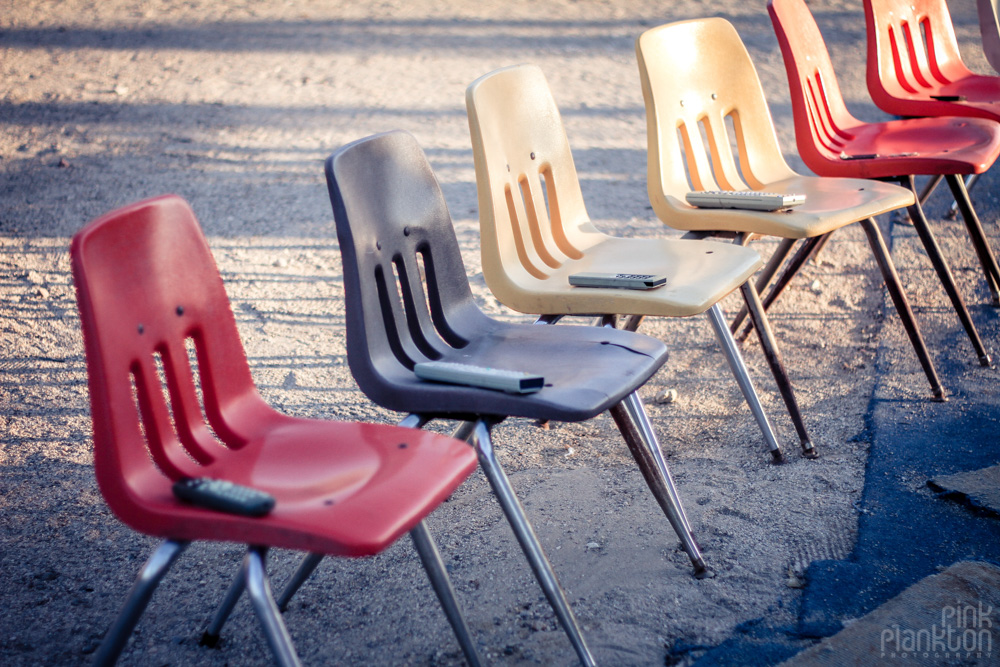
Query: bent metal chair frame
[914,68]
[408,300]
[536,232]
[832,142]
[709,128]
[148,292]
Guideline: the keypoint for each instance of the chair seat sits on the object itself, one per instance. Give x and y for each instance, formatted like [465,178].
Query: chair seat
[915,146]
[831,203]
[587,370]
[699,274]
[341,488]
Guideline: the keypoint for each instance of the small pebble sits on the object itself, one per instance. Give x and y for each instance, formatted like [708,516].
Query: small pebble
[668,396]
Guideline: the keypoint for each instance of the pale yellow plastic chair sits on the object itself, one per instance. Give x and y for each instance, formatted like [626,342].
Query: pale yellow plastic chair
[536,233]
[709,128]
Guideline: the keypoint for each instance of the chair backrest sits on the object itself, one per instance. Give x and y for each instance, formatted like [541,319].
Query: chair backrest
[407,295]
[912,50]
[151,305]
[707,122]
[989,28]
[531,212]
[817,103]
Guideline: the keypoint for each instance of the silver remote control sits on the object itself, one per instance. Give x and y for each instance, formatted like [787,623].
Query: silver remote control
[621,280]
[746,199]
[515,382]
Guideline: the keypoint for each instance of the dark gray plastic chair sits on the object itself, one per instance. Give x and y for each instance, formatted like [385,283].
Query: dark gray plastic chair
[408,300]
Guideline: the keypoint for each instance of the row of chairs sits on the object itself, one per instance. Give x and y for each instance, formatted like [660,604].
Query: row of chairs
[171,391]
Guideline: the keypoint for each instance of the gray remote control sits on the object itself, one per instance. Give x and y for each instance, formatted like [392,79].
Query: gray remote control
[224,496]
[621,280]
[746,199]
[515,382]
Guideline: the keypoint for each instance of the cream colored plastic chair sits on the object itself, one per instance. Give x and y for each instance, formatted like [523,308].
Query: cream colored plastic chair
[536,233]
[703,98]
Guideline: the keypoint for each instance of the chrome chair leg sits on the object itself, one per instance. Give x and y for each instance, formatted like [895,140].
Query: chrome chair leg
[764,277]
[464,431]
[436,572]
[210,637]
[770,346]
[735,359]
[636,412]
[632,322]
[814,257]
[278,639]
[795,264]
[943,271]
[135,604]
[975,228]
[306,567]
[899,299]
[929,188]
[529,542]
[633,422]
[970,181]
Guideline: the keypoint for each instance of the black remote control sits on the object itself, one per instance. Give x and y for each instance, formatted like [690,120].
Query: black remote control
[224,496]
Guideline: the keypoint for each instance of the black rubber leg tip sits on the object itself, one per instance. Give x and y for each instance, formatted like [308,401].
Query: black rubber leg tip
[808,451]
[703,573]
[777,457]
[939,396]
[986,360]
[209,640]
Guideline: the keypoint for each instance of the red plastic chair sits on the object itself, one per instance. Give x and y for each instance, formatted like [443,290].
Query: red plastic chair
[159,331]
[914,65]
[709,127]
[832,142]
[915,69]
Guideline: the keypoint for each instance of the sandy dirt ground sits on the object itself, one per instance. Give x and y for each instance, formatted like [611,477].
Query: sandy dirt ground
[234,105]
